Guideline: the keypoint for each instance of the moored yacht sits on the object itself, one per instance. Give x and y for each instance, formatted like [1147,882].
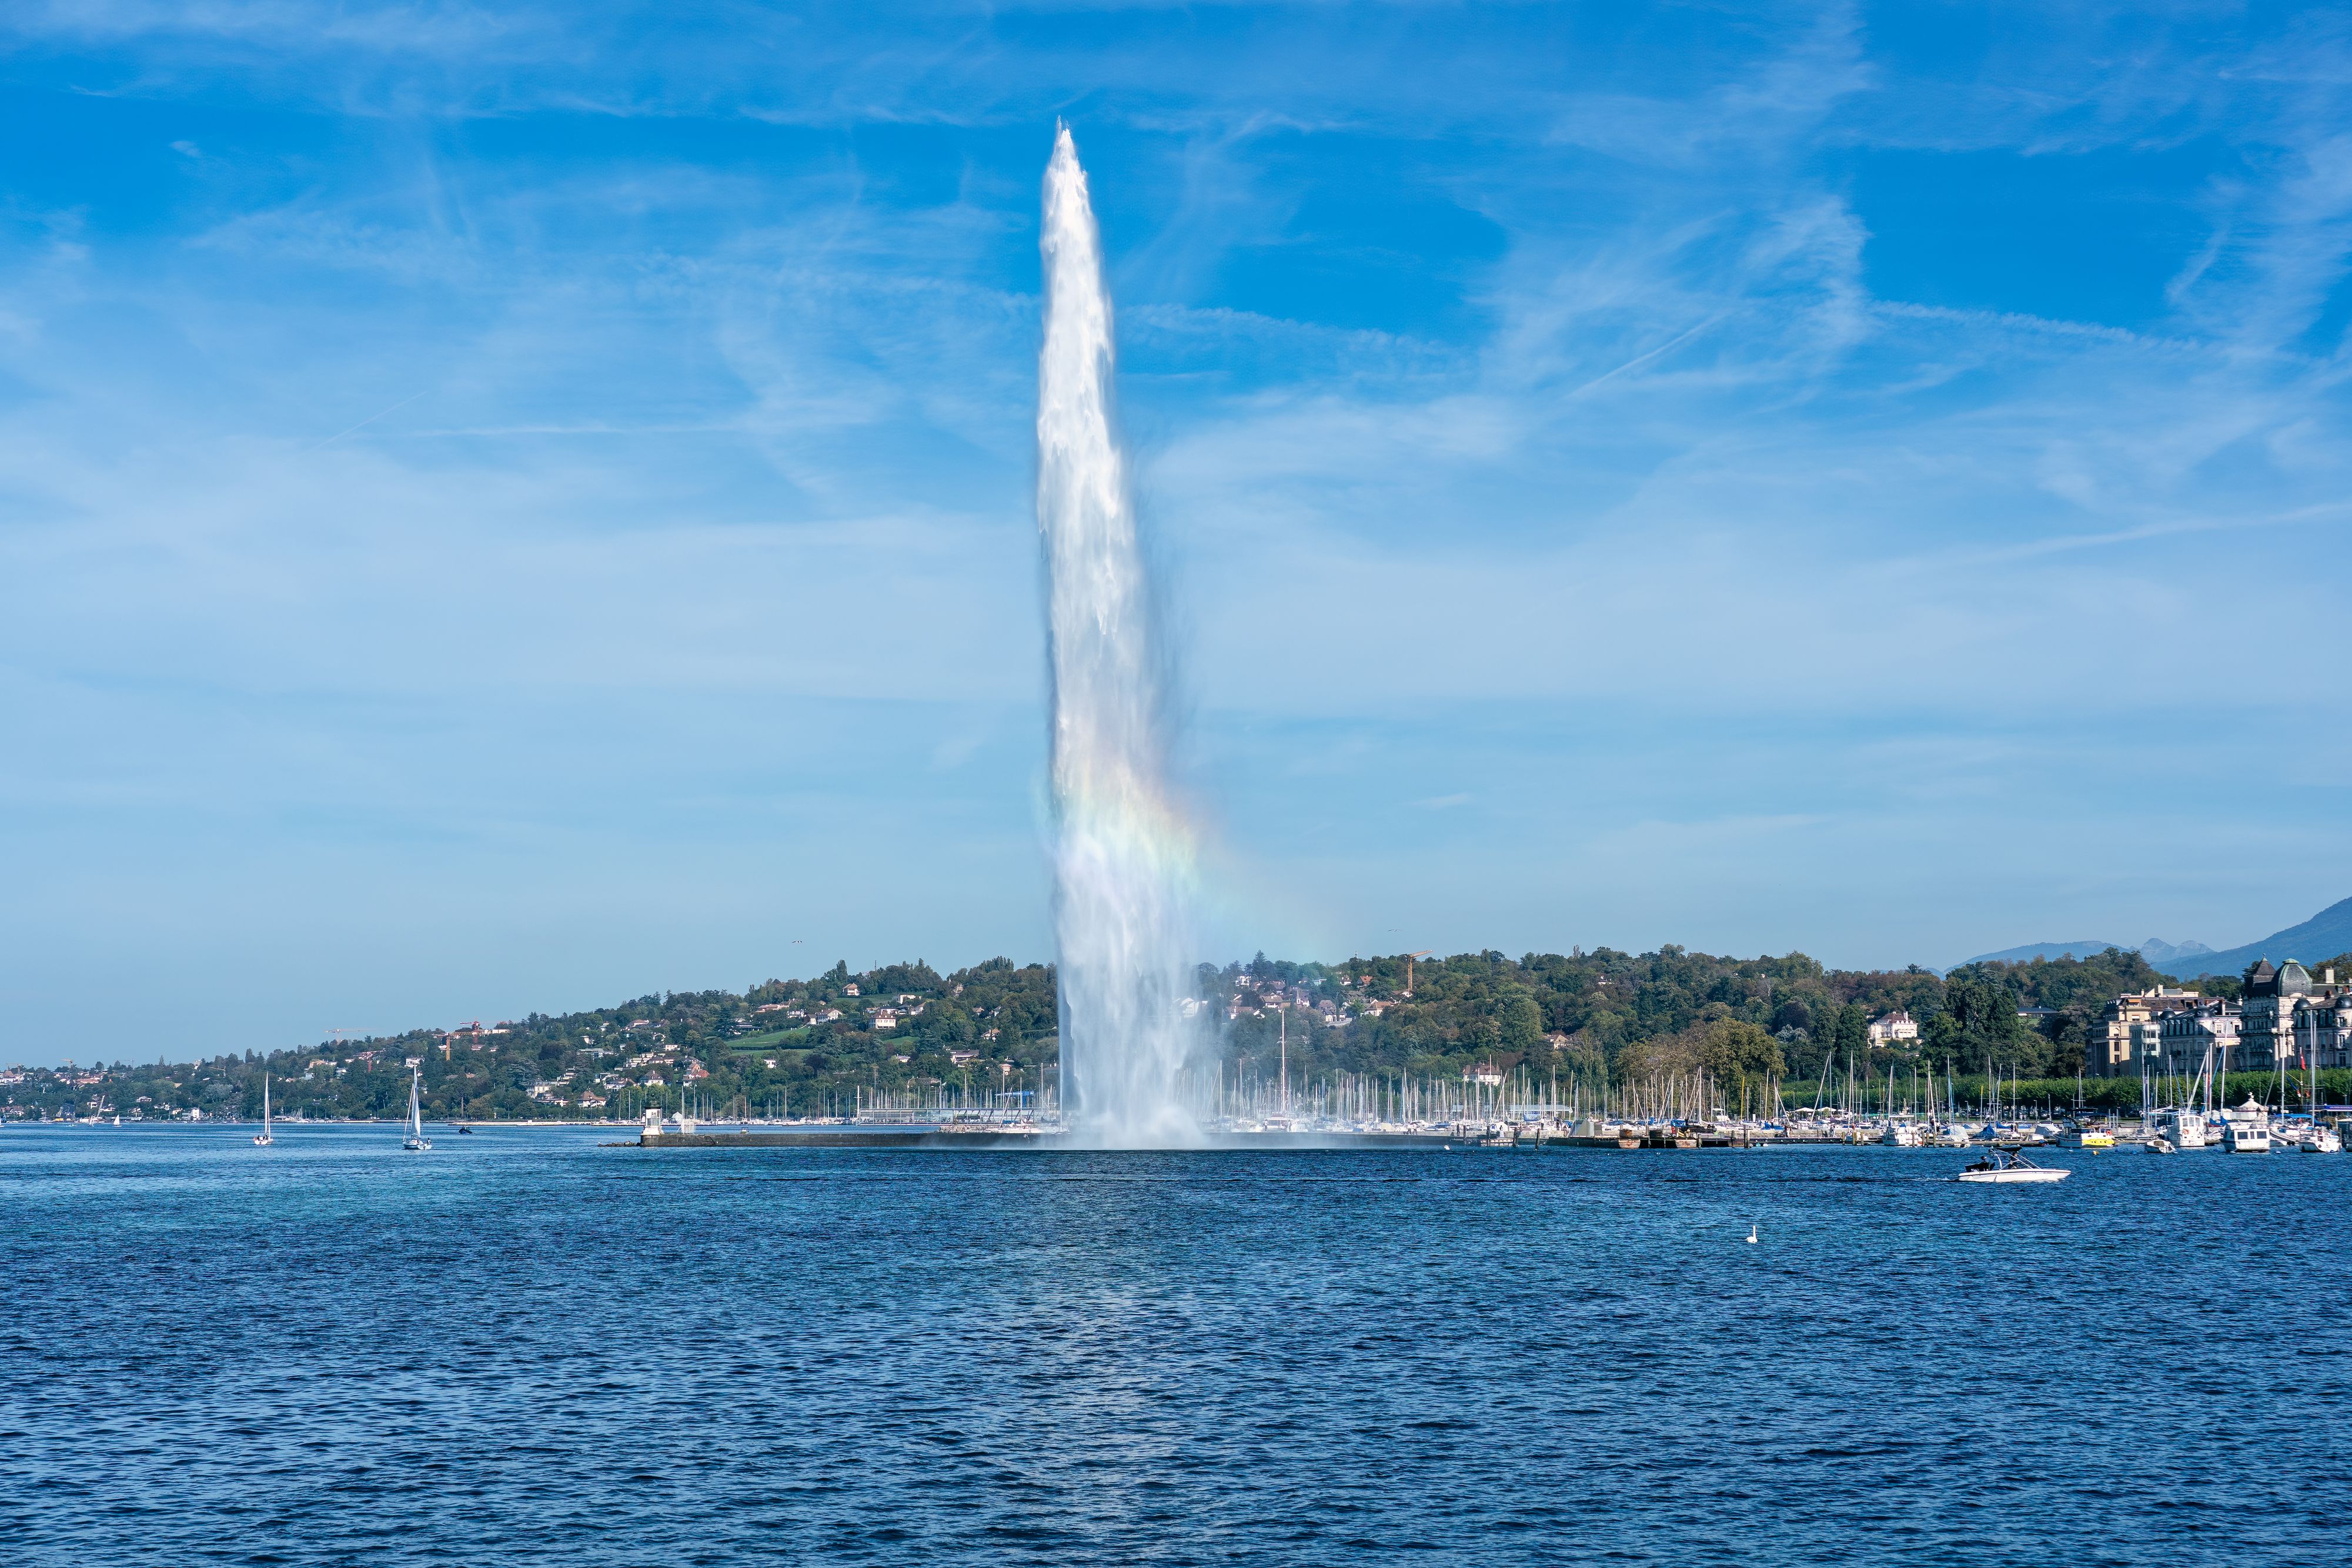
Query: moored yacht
[2183,1129]
[2247,1129]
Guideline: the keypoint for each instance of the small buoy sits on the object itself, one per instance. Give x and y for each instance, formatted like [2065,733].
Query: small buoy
[1751,1233]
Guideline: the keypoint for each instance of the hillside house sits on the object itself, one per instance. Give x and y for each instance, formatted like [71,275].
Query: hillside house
[1896,1026]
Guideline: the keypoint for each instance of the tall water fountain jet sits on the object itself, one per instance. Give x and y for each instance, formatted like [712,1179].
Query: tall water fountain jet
[1122,852]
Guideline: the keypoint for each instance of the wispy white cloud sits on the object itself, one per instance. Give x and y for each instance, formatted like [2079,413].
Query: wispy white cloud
[634,408]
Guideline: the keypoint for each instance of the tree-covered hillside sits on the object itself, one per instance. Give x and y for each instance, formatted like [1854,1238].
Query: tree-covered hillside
[989,1032]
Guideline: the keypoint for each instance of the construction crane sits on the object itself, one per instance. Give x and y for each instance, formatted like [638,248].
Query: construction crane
[1409,957]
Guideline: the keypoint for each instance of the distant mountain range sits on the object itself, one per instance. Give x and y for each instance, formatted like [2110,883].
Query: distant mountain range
[2164,956]
[2154,950]
[2324,936]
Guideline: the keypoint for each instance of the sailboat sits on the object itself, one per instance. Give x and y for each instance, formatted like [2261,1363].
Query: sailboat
[262,1139]
[416,1138]
[2323,1140]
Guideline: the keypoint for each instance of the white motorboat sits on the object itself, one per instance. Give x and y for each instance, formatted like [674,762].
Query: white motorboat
[2184,1129]
[2001,1164]
[416,1138]
[2322,1141]
[262,1139]
[1901,1135]
[2247,1129]
[2159,1144]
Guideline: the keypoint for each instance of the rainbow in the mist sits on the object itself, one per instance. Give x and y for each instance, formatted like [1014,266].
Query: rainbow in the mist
[1123,851]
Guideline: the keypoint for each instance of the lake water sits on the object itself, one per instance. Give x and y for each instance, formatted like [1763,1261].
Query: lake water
[523,1347]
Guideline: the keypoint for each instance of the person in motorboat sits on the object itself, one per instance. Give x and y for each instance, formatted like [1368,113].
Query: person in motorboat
[2003,1162]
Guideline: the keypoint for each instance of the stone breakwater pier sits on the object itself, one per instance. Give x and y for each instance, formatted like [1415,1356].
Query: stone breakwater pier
[1002,1138]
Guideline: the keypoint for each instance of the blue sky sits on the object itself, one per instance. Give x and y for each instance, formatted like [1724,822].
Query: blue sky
[511,507]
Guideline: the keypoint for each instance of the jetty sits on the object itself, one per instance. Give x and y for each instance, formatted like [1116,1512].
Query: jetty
[853,1136]
[987,1134]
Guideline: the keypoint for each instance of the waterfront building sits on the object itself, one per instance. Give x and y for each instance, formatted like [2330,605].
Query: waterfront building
[2322,1031]
[2128,1031]
[2287,1014]
[2184,1033]
[2271,997]
[2284,1016]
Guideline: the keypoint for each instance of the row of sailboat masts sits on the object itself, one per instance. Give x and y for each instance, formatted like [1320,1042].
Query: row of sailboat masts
[1859,1095]
[2163,1090]
[1027,1097]
[1241,1091]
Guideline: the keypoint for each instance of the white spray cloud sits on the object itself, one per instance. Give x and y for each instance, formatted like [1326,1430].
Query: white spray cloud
[1122,849]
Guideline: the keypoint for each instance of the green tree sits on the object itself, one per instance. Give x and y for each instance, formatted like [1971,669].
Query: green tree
[1520,1025]
[1741,1058]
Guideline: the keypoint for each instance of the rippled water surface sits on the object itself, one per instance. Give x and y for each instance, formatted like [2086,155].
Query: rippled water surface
[525,1347]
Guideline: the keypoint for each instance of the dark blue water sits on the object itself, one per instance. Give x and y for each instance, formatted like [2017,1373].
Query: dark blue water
[523,1347]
